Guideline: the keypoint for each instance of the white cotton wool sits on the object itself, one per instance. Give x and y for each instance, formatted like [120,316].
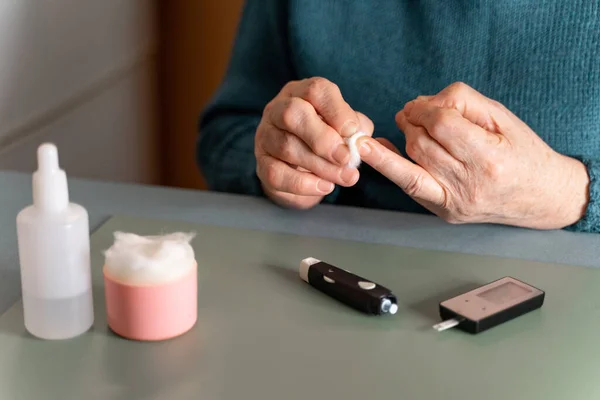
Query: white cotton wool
[354,154]
[149,260]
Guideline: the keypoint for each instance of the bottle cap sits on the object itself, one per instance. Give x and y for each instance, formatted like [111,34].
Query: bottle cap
[50,189]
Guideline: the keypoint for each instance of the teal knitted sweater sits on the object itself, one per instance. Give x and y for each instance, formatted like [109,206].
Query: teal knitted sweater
[540,58]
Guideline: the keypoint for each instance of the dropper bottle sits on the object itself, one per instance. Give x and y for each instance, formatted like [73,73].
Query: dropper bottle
[54,255]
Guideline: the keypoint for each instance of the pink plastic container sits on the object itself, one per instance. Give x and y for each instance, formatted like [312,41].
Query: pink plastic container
[151,313]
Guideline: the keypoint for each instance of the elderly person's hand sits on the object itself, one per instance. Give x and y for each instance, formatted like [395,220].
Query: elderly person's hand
[299,144]
[475,161]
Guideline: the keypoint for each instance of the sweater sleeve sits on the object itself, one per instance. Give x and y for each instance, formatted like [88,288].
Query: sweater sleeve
[259,67]
[591,220]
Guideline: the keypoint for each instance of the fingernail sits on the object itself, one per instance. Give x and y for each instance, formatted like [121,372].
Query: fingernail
[348,175]
[364,149]
[341,154]
[349,129]
[324,186]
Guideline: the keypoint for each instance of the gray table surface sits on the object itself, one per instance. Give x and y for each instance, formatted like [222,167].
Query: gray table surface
[104,199]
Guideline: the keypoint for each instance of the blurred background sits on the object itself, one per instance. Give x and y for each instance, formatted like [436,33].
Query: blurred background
[117,85]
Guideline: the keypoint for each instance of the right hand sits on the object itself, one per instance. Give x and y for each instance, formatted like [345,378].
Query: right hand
[299,144]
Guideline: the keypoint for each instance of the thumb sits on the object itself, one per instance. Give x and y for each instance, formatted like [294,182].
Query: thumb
[411,178]
[366,125]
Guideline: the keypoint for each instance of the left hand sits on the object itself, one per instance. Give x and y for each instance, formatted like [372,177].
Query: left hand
[475,161]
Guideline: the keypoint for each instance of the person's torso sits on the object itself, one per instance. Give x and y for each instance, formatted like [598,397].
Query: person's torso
[541,59]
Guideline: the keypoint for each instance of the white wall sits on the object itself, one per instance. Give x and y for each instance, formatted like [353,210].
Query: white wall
[80,73]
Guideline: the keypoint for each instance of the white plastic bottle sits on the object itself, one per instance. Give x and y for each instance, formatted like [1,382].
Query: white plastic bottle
[54,255]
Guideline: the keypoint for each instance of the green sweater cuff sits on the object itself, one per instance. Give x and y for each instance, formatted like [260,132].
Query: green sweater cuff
[591,220]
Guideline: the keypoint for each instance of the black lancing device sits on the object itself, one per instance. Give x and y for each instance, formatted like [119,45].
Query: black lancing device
[353,290]
[489,305]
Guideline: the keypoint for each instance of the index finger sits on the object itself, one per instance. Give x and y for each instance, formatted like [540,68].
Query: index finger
[459,136]
[298,117]
[411,178]
[472,105]
[326,97]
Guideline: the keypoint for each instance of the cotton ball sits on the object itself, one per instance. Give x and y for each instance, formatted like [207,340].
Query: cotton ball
[149,260]
[354,153]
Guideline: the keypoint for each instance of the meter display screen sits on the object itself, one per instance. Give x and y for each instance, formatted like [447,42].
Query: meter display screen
[504,293]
